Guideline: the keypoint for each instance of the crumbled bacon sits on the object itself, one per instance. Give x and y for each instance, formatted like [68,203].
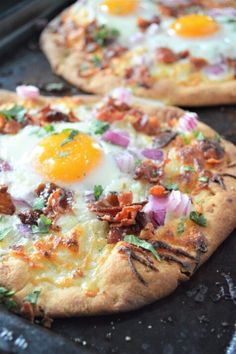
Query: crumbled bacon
[167,56]
[29,217]
[122,215]
[143,23]
[148,171]
[140,75]
[211,149]
[198,63]
[48,115]
[6,204]
[9,126]
[149,125]
[112,111]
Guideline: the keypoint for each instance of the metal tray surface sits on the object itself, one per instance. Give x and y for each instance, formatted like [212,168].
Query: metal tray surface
[198,318]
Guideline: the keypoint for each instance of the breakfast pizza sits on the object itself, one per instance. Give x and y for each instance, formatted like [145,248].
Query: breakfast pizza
[182,52]
[106,204]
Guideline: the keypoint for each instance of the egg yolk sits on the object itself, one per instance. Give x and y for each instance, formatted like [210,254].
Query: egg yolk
[66,157]
[194,25]
[119,7]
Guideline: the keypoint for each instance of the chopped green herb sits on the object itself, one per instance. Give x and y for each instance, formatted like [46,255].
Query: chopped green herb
[72,134]
[97,190]
[49,128]
[198,135]
[33,297]
[63,153]
[6,297]
[43,226]
[198,218]
[105,34]
[4,232]
[100,127]
[137,162]
[171,186]
[96,61]
[133,240]
[39,203]
[83,67]
[16,112]
[217,138]
[186,139]
[203,179]
[189,168]
[180,227]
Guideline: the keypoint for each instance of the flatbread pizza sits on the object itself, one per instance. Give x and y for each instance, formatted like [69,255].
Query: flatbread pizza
[106,204]
[182,52]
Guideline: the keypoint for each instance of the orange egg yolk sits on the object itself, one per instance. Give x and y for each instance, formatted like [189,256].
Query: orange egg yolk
[66,157]
[119,7]
[194,25]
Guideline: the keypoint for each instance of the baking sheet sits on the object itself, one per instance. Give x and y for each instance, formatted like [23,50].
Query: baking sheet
[198,318]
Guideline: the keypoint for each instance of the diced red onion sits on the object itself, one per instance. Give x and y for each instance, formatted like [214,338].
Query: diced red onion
[21,203]
[153,154]
[173,3]
[136,38]
[153,29]
[144,59]
[227,11]
[5,166]
[122,95]
[23,229]
[89,196]
[156,209]
[215,69]
[179,203]
[125,162]
[27,91]
[116,137]
[188,122]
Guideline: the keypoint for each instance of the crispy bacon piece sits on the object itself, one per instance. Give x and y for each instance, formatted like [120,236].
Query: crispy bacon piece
[211,149]
[9,126]
[149,125]
[6,204]
[48,115]
[112,111]
[29,217]
[148,171]
[143,23]
[167,56]
[140,75]
[198,63]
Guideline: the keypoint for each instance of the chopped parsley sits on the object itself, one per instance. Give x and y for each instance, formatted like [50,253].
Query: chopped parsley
[16,112]
[171,186]
[72,134]
[133,240]
[6,297]
[189,168]
[203,179]
[39,203]
[198,218]
[105,34]
[96,61]
[97,190]
[100,127]
[33,297]
[4,232]
[49,128]
[180,227]
[217,138]
[43,226]
[198,135]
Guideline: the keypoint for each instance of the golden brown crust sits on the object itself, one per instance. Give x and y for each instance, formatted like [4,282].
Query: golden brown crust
[119,288]
[64,62]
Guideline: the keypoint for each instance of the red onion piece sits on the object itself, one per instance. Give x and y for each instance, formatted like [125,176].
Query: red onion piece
[89,196]
[156,209]
[27,91]
[116,137]
[179,203]
[23,229]
[21,203]
[227,11]
[215,69]
[188,122]
[122,95]
[153,154]
[5,166]
[125,162]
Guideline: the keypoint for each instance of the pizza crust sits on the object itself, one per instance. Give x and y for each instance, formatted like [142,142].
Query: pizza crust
[119,288]
[65,63]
